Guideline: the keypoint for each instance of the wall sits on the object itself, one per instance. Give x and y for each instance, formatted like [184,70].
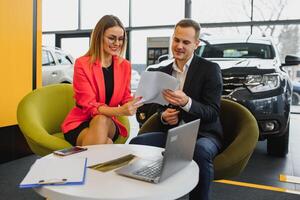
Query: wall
[20,55]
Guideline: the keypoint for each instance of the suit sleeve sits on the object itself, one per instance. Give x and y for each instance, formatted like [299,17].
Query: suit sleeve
[85,96]
[208,107]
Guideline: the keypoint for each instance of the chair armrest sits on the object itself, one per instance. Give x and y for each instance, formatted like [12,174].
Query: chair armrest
[153,124]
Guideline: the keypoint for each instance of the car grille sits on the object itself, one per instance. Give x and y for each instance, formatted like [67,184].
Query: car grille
[231,83]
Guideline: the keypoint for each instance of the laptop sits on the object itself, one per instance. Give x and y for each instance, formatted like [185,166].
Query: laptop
[179,151]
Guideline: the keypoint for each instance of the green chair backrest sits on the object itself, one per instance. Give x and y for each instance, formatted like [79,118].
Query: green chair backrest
[240,138]
[41,113]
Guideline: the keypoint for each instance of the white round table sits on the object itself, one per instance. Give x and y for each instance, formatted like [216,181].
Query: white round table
[109,185]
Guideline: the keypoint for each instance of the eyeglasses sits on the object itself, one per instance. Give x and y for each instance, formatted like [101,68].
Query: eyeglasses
[114,39]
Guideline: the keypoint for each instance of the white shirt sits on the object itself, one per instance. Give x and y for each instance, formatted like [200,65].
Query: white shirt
[181,76]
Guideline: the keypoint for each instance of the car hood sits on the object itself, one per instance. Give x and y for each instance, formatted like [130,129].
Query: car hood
[226,63]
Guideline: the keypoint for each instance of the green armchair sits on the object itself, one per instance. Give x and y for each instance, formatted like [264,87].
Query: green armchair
[41,113]
[240,138]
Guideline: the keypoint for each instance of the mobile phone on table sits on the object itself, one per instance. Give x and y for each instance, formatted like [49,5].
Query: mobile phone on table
[69,151]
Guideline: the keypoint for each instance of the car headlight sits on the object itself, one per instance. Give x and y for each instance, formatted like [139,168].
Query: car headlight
[262,83]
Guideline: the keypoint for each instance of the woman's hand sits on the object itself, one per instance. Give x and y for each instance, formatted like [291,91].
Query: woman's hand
[130,107]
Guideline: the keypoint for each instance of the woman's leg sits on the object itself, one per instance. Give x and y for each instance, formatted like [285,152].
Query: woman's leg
[101,130]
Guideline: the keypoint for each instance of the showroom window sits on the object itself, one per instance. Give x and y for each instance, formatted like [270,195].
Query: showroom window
[75,46]
[54,15]
[213,11]
[139,45]
[156,12]
[93,10]
[266,10]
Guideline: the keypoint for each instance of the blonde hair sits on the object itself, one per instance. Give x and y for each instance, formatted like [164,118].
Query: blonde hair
[96,51]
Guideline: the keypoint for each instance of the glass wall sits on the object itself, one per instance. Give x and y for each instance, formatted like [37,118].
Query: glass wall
[156,12]
[48,40]
[139,45]
[75,46]
[93,10]
[147,19]
[59,15]
[221,11]
[276,10]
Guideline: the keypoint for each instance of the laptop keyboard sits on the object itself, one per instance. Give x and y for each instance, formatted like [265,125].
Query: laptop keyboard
[150,171]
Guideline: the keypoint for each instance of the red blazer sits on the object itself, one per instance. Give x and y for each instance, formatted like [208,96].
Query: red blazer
[89,91]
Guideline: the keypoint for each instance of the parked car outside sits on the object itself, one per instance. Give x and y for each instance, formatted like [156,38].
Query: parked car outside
[135,78]
[296,93]
[253,76]
[57,66]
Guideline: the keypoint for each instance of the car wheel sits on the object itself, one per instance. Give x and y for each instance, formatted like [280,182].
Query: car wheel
[295,98]
[279,146]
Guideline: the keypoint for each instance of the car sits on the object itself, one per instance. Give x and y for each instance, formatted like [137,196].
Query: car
[296,93]
[135,78]
[253,76]
[57,66]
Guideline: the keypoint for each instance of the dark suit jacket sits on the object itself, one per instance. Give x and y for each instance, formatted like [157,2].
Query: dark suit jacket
[203,84]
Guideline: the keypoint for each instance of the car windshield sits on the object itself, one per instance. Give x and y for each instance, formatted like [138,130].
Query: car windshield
[236,50]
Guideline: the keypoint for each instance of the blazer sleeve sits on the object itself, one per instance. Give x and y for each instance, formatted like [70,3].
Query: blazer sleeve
[207,108]
[85,96]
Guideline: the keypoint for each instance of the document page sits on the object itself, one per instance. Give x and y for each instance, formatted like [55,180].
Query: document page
[152,84]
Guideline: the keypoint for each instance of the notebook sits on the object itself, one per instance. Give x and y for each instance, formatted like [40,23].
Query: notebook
[179,151]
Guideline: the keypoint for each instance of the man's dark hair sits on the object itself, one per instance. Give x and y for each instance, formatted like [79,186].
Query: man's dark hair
[190,23]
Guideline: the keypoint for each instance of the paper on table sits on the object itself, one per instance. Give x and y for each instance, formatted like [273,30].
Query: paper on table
[113,164]
[51,171]
[152,84]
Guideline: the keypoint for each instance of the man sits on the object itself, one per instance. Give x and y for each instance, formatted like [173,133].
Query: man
[199,96]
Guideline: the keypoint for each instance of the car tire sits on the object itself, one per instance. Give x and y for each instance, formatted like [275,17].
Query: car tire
[295,98]
[279,146]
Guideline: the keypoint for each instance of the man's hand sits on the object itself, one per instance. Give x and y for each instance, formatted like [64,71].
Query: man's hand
[170,115]
[177,97]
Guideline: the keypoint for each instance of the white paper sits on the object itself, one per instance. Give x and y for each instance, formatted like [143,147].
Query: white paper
[55,170]
[152,84]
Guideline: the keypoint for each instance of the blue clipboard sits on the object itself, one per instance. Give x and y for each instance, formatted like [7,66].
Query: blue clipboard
[52,171]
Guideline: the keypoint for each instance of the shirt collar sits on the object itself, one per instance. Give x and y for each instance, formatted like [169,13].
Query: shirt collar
[185,67]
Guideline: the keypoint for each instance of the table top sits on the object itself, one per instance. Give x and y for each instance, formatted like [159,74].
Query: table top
[109,185]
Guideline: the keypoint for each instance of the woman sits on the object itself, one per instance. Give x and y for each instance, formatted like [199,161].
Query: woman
[102,88]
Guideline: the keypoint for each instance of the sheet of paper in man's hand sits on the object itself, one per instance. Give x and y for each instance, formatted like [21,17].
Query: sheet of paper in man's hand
[152,84]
